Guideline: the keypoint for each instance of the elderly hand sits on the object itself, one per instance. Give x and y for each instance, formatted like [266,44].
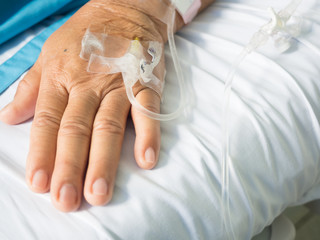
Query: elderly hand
[80,117]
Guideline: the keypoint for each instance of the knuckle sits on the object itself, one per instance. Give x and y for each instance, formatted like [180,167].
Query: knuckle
[46,119]
[57,71]
[76,128]
[151,107]
[85,92]
[68,164]
[109,126]
[25,86]
[114,85]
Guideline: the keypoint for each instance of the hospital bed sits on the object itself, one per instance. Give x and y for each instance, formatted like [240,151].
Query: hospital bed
[274,142]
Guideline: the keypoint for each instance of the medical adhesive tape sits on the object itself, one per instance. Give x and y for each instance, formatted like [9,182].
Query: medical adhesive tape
[137,62]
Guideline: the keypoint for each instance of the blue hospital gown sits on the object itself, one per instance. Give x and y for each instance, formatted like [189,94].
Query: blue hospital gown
[16,16]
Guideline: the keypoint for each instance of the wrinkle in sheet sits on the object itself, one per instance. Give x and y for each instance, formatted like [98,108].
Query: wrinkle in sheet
[172,220]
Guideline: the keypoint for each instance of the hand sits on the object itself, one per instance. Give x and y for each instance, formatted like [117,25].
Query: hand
[80,117]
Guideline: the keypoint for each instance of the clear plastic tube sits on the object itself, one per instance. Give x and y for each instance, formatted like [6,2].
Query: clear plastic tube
[173,49]
[132,63]
[277,24]
[226,161]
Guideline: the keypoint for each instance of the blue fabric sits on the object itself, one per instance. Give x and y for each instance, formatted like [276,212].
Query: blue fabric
[28,13]
[19,15]
[9,8]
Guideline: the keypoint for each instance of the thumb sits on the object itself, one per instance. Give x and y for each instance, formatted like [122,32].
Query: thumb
[23,106]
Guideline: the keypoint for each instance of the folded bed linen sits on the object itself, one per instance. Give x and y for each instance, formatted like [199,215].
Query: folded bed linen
[274,141]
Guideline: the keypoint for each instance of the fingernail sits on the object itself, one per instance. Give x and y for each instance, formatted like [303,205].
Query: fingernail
[150,156]
[68,194]
[40,180]
[100,187]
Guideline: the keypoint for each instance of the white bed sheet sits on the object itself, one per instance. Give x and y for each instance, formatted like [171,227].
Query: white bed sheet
[274,143]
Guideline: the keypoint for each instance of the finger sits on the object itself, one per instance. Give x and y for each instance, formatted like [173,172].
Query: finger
[23,106]
[72,150]
[50,106]
[107,137]
[147,144]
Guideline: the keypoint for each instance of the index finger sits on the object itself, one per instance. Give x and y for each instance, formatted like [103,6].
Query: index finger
[51,103]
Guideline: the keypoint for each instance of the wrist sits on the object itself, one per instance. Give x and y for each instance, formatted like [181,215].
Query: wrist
[156,10]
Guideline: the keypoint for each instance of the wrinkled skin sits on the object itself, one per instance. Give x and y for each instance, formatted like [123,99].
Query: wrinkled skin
[80,117]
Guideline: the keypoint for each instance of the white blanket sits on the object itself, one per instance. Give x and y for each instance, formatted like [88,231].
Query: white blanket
[274,133]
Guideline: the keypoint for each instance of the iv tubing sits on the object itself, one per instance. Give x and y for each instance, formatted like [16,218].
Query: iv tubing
[173,49]
[226,161]
[258,39]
